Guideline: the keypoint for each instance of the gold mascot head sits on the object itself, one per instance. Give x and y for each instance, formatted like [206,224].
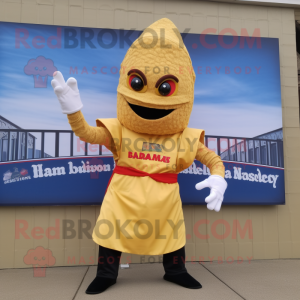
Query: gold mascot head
[156,86]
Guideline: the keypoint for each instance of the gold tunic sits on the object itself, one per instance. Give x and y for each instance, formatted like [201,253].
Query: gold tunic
[140,215]
[148,210]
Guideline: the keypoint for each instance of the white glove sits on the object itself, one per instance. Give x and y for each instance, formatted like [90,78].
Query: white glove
[67,93]
[217,185]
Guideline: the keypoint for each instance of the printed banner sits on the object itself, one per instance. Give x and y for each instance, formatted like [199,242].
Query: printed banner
[237,103]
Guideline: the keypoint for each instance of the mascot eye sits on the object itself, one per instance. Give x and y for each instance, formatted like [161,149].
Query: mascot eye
[167,86]
[136,83]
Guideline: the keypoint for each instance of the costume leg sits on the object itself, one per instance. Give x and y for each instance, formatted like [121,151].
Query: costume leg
[108,263]
[174,262]
[174,265]
[107,271]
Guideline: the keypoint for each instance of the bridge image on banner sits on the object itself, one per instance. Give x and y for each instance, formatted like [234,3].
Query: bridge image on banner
[266,149]
[25,154]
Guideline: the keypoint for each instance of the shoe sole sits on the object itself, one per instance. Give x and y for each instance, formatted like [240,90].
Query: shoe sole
[191,288]
[89,293]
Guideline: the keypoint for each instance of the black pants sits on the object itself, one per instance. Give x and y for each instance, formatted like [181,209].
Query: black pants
[109,259]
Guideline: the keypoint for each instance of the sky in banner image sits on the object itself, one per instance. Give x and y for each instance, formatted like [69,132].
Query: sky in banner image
[237,91]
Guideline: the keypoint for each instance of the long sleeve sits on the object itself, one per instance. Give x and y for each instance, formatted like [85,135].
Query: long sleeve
[90,134]
[211,160]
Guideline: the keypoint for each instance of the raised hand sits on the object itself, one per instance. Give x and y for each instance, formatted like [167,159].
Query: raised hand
[67,93]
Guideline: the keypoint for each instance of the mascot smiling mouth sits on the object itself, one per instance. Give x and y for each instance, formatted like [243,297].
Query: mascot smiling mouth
[150,113]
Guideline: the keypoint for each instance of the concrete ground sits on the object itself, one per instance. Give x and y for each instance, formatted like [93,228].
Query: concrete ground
[262,279]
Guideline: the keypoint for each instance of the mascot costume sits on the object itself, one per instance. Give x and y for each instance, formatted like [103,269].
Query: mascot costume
[151,144]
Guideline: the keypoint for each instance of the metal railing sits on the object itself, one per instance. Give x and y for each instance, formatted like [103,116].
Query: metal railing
[17,148]
[249,150]
[266,152]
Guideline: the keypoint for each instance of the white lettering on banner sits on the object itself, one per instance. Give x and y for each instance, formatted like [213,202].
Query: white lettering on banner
[17,179]
[75,170]
[85,167]
[39,172]
[58,171]
[228,174]
[237,174]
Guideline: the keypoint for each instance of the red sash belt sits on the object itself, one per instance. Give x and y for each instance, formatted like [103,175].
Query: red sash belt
[160,177]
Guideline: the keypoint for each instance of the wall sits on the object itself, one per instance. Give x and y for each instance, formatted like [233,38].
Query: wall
[275,228]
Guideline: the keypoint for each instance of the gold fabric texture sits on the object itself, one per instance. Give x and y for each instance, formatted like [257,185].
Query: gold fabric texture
[157,52]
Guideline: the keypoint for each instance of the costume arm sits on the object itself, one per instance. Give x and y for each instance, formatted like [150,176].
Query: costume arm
[90,134]
[211,160]
[69,98]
